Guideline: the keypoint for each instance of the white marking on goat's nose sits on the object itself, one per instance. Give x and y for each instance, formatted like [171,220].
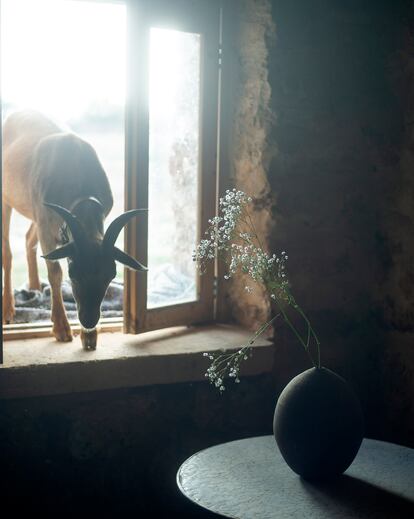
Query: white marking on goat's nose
[88,330]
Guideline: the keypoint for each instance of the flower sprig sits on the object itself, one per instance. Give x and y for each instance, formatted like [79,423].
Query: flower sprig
[233,236]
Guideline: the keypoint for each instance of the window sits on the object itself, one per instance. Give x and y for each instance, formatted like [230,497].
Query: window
[192,117]
[167,131]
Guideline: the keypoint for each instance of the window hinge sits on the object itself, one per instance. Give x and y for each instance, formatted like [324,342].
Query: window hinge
[215,287]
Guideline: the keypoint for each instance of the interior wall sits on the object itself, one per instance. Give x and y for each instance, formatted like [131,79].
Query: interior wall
[250,121]
[341,80]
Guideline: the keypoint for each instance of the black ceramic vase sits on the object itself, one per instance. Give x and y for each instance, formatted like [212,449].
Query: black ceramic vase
[318,424]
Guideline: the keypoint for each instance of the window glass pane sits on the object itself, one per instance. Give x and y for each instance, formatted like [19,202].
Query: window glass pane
[173,166]
[66,59]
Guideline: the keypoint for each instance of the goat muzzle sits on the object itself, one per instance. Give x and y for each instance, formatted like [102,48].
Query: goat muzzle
[89,338]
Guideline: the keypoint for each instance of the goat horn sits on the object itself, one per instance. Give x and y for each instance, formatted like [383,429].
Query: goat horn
[74,225]
[66,251]
[116,226]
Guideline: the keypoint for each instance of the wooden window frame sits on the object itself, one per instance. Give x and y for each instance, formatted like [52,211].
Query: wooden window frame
[194,16]
[203,20]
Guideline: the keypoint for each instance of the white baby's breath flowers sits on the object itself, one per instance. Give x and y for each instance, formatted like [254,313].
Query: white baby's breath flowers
[233,236]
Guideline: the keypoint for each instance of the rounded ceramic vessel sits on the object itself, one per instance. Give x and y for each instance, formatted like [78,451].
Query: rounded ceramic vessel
[318,424]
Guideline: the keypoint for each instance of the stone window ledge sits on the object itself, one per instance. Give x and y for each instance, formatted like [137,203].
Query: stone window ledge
[38,367]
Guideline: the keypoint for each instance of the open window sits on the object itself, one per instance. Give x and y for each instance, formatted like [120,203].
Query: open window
[139,80]
[171,151]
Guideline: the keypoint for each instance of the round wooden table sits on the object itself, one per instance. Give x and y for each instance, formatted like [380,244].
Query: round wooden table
[248,479]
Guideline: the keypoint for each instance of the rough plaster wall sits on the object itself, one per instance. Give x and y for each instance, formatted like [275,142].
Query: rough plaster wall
[252,123]
[397,290]
[342,90]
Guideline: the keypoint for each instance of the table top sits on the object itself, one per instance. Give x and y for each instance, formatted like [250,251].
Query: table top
[248,479]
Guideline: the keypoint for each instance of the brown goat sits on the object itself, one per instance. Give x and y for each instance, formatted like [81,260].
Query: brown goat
[55,179]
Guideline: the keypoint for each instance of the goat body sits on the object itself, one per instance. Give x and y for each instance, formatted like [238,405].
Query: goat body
[45,171]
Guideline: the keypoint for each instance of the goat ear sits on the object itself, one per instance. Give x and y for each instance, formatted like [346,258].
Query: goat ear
[127,260]
[62,252]
[72,222]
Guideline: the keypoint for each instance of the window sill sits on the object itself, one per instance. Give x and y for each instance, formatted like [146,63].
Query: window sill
[38,367]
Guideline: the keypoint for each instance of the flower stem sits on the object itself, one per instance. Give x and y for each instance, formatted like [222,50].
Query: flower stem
[310,331]
[299,337]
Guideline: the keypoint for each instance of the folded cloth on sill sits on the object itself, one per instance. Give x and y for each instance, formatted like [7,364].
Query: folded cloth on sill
[167,285]
[34,305]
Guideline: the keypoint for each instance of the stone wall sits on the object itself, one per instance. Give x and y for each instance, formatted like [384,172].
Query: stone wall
[341,79]
[322,139]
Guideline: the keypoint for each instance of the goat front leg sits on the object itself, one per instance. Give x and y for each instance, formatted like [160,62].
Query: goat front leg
[31,254]
[8,298]
[61,327]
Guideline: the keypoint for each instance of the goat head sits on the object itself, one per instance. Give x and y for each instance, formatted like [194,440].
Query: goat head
[91,266]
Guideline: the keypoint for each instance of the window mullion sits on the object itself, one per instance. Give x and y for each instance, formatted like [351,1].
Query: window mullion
[136,160]
[228,85]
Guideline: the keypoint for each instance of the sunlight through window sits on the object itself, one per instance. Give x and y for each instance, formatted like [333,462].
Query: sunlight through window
[173,166]
[67,59]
